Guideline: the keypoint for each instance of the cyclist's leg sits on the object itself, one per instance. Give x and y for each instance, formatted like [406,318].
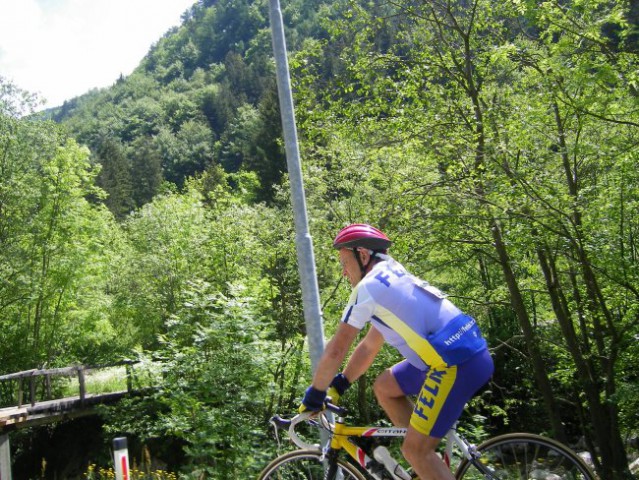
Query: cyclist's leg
[420,451]
[392,387]
[439,404]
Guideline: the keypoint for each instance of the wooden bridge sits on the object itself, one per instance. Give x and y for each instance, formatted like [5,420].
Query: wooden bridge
[38,386]
[41,387]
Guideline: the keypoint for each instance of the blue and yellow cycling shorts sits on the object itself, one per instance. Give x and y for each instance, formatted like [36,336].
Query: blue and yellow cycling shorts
[442,392]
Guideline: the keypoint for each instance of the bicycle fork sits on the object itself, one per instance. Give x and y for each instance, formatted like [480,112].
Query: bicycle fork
[331,470]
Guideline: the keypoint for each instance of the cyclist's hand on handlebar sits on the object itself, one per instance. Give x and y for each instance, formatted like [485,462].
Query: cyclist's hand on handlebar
[338,386]
[313,400]
[332,395]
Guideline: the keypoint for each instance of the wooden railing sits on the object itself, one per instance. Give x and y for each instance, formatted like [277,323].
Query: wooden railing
[31,377]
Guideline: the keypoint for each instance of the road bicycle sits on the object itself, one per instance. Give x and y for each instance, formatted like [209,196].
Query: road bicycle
[504,457]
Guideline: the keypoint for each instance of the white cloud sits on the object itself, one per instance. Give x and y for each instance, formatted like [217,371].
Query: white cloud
[64,48]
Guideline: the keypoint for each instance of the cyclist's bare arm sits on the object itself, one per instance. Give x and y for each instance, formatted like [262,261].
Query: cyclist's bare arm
[364,354]
[334,354]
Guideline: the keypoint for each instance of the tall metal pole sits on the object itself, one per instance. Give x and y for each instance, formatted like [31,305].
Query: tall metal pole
[303,241]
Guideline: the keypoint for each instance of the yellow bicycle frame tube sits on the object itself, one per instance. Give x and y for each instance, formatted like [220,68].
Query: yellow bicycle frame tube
[342,439]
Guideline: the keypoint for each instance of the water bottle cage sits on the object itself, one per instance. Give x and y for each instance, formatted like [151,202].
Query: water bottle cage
[375,467]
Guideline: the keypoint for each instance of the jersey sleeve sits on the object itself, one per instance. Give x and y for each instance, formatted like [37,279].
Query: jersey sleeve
[360,307]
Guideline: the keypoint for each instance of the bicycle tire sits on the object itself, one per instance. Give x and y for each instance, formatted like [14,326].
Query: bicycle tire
[519,456]
[307,465]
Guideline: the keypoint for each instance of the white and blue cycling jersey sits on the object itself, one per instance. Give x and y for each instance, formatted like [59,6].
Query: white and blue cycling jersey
[414,317]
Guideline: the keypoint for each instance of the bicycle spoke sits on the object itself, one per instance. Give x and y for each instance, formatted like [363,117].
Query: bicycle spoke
[524,457]
[306,465]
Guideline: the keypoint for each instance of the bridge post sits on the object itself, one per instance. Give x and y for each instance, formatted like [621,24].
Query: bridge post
[83,390]
[20,391]
[32,390]
[47,384]
[5,458]
[129,377]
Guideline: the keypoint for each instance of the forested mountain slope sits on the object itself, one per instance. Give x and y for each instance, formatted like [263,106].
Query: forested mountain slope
[495,142]
[204,96]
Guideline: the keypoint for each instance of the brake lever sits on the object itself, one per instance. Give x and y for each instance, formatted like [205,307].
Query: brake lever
[279,423]
[276,433]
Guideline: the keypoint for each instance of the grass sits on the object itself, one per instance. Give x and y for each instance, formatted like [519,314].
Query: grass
[110,379]
[99,473]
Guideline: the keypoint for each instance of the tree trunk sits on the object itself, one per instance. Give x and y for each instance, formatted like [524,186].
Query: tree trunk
[603,416]
[539,367]
[362,399]
[599,394]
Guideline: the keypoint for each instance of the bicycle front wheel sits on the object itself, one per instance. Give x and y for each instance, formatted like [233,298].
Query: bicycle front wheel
[307,465]
[524,456]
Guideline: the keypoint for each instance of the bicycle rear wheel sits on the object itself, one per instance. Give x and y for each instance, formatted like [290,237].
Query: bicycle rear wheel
[524,456]
[306,465]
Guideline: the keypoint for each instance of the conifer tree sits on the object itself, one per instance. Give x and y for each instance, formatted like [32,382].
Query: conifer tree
[115,177]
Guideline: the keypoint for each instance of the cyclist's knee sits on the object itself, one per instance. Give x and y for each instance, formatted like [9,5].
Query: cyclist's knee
[378,387]
[386,386]
[417,445]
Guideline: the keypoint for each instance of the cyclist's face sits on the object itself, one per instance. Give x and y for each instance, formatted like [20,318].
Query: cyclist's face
[350,267]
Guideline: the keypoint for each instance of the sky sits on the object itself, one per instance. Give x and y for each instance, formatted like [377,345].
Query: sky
[61,49]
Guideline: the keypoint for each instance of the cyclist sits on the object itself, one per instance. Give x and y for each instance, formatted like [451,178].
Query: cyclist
[446,359]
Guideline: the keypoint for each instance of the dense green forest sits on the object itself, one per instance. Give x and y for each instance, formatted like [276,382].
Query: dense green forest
[495,142]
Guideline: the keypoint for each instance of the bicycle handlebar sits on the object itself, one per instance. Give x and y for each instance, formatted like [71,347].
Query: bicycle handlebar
[339,411]
[290,424]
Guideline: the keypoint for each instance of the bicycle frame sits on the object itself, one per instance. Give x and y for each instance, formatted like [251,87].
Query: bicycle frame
[514,455]
[342,435]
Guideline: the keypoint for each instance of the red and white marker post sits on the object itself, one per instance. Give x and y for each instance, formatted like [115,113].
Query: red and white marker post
[121,458]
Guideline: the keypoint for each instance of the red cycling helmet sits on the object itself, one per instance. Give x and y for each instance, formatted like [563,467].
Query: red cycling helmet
[362,235]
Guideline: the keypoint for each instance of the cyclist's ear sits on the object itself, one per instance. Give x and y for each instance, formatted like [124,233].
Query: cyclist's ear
[364,255]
